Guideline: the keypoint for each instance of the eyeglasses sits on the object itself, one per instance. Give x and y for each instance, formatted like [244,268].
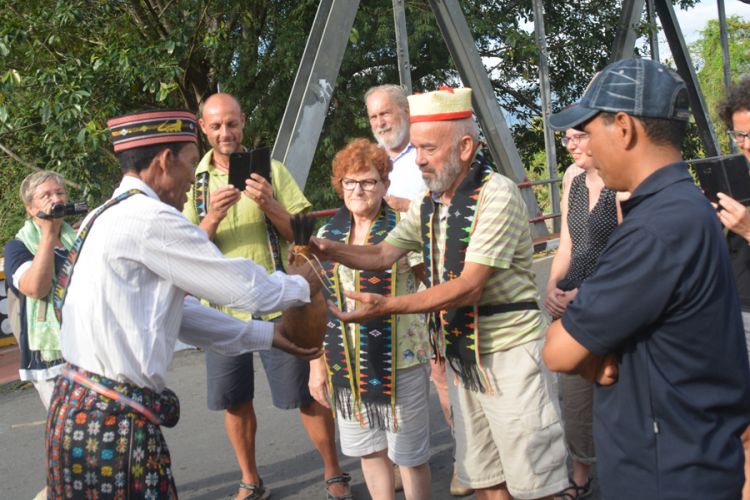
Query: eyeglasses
[738,136]
[573,141]
[365,184]
[49,195]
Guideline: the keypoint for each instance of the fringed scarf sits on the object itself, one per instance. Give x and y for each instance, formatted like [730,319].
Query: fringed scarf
[201,201]
[41,323]
[455,331]
[362,376]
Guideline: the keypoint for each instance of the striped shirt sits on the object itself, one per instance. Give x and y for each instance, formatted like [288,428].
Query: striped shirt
[126,300]
[501,240]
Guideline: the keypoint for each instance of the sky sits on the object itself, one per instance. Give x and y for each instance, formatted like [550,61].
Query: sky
[692,21]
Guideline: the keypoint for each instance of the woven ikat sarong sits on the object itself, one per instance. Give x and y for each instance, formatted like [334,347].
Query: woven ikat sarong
[98,447]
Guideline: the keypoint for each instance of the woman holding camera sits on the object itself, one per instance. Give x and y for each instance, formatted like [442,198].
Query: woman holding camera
[32,261]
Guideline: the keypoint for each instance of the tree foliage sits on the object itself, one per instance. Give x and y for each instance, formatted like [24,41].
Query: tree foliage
[69,65]
[707,57]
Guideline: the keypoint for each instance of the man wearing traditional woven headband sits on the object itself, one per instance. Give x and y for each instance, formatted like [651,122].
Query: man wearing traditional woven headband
[125,306]
[658,323]
[472,230]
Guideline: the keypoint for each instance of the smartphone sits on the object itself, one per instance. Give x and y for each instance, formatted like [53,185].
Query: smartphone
[724,174]
[260,162]
[239,169]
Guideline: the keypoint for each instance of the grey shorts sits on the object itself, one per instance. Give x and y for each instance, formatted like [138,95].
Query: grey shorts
[231,379]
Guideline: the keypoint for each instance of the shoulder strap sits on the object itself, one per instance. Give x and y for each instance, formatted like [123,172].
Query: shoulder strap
[200,195]
[66,274]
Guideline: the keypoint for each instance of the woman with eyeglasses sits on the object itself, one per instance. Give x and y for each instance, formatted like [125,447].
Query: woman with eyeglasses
[589,215]
[32,261]
[735,113]
[375,375]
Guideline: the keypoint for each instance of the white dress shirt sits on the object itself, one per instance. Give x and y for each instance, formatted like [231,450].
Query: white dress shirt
[406,178]
[126,302]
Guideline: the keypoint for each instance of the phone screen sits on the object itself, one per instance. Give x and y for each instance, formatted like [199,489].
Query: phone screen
[239,169]
[261,162]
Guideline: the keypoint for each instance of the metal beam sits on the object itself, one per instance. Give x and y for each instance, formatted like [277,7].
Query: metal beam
[402,45]
[687,71]
[724,36]
[549,135]
[308,102]
[460,42]
[653,31]
[625,37]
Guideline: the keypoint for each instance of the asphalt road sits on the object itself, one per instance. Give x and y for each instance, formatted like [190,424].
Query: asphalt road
[203,461]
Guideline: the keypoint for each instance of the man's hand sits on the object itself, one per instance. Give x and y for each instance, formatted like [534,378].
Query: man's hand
[371,305]
[318,383]
[260,191]
[553,303]
[734,216]
[397,204]
[280,341]
[557,301]
[220,202]
[320,247]
[600,369]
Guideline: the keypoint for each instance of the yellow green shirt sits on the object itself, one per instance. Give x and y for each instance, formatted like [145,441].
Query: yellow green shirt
[501,240]
[242,233]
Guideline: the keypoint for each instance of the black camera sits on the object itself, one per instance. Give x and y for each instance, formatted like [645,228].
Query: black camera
[62,210]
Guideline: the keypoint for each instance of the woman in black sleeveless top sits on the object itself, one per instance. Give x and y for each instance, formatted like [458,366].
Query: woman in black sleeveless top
[589,215]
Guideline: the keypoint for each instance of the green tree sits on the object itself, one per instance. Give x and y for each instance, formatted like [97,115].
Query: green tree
[707,57]
[69,65]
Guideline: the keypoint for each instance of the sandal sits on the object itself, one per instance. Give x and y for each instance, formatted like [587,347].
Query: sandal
[575,492]
[344,479]
[257,491]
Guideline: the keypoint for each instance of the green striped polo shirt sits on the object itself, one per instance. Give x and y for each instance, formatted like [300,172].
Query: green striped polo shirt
[502,240]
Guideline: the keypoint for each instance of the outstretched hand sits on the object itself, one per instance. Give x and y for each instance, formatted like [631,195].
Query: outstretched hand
[320,247]
[281,341]
[369,305]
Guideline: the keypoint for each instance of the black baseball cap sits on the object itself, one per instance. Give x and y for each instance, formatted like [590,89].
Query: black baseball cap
[638,87]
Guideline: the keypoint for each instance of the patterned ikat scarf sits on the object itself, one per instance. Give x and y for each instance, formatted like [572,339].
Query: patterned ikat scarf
[361,373]
[454,331]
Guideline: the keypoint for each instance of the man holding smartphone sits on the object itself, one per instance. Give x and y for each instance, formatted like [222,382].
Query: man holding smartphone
[253,224]
[735,113]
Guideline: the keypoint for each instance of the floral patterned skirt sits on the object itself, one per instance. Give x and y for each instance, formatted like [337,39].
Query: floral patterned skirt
[100,448]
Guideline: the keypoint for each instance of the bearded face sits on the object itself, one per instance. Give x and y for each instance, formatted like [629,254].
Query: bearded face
[391,134]
[441,179]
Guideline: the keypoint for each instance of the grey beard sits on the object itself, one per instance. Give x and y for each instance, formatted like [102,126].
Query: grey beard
[396,141]
[442,180]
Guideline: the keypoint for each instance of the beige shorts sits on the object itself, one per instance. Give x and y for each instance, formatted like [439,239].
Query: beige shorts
[512,434]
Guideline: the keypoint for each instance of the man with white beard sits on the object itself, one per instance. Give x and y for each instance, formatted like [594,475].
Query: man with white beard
[472,230]
[388,112]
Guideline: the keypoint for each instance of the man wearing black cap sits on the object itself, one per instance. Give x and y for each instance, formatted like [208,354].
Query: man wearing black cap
[658,324]
[124,308]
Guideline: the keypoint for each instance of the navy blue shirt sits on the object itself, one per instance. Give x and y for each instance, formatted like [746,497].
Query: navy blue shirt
[664,299]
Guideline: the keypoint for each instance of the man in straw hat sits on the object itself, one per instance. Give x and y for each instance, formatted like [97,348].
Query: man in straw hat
[658,323]
[124,307]
[472,230]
